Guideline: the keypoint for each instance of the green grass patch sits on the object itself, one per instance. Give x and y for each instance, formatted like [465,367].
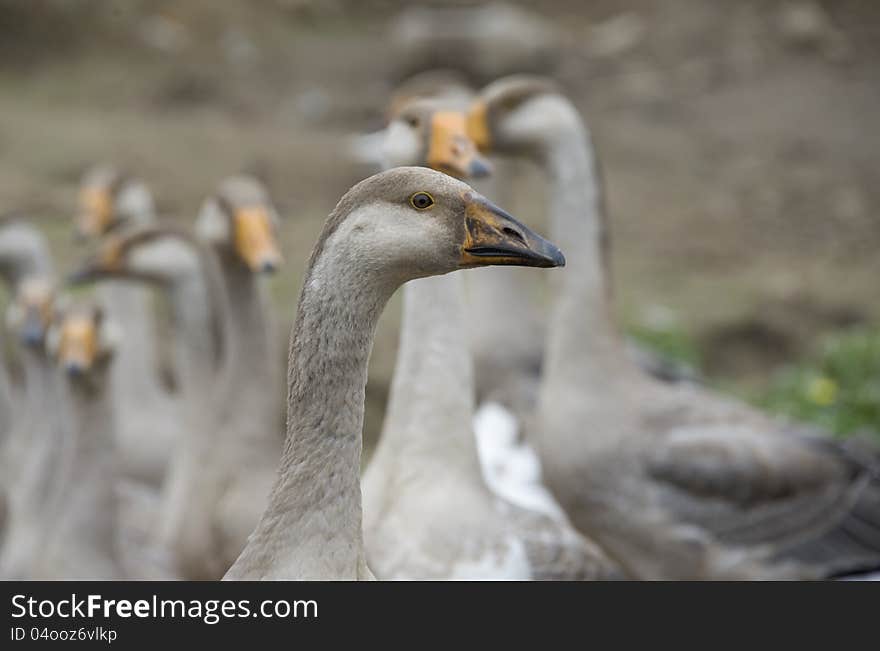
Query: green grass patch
[837,388]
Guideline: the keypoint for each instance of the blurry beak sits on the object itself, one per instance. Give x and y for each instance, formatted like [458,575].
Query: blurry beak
[255,241]
[34,329]
[78,346]
[451,151]
[478,125]
[493,237]
[96,212]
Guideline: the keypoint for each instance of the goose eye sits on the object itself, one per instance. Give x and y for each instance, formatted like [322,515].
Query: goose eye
[413,121]
[421,200]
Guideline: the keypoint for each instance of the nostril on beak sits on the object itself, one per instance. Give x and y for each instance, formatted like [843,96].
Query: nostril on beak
[513,234]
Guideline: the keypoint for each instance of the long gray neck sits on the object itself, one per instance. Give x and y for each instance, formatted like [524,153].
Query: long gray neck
[134,373]
[201,338]
[90,467]
[582,339]
[94,421]
[428,420]
[312,526]
[44,421]
[251,366]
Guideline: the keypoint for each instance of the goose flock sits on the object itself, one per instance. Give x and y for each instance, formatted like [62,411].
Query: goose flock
[524,438]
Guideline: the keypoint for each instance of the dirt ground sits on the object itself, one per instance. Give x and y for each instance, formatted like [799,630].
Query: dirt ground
[739,141]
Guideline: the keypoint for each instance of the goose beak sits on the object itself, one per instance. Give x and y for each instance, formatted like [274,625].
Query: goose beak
[493,237]
[255,240]
[33,330]
[96,212]
[478,125]
[451,151]
[78,346]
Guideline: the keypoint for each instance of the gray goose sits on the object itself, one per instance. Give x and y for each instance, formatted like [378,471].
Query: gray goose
[83,541]
[427,448]
[24,253]
[39,439]
[673,481]
[396,226]
[220,474]
[114,201]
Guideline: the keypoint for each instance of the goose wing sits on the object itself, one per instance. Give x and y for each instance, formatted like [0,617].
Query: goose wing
[806,498]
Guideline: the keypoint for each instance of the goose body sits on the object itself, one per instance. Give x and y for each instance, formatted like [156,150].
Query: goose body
[671,480]
[393,227]
[428,513]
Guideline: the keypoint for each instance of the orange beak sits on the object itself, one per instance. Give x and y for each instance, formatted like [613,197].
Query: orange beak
[96,212]
[451,151]
[478,126]
[78,345]
[255,241]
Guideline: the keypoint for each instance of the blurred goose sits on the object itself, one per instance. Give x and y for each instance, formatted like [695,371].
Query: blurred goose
[221,473]
[671,480]
[82,541]
[396,226]
[428,513]
[39,436]
[24,253]
[112,201]
[428,132]
[447,86]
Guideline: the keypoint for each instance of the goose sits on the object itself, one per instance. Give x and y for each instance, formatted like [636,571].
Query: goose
[446,86]
[24,253]
[82,541]
[39,436]
[672,481]
[428,513]
[223,469]
[113,201]
[427,132]
[396,226]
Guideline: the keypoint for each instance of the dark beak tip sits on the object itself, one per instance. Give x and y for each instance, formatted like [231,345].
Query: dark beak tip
[479,169]
[558,259]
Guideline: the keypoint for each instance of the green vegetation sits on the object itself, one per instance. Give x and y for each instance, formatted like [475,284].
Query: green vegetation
[838,388]
[669,342]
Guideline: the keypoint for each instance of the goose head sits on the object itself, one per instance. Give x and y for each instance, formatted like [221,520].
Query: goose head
[23,251]
[82,340]
[436,84]
[241,222]
[109,199]
[32,310]
[159,255]
[426,132]
[521,115]
[411,222]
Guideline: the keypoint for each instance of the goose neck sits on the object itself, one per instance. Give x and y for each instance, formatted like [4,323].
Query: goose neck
[430,407]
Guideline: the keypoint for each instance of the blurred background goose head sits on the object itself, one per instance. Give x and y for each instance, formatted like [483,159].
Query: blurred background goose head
[32,311]
[428,132]
[109,199]
[83,341]
[241,222]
